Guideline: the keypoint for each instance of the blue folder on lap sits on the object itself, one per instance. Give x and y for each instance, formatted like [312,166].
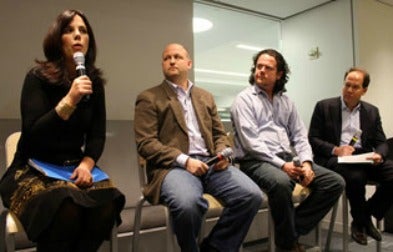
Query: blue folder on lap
[64,172]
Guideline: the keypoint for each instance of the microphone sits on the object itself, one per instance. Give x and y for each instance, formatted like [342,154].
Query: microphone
[220,156]
[355,137]
[79,59]
[296,161]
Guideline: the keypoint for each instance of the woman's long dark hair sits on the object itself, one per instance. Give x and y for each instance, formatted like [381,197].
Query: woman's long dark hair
[282,66]
[53,68]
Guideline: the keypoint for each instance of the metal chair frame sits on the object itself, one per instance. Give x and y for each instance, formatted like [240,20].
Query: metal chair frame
[170,236]
[345,229]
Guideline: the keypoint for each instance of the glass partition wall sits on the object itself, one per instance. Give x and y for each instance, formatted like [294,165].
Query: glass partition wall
[225,40]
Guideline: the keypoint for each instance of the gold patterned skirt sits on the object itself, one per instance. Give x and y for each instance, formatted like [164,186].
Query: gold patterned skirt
[35,198]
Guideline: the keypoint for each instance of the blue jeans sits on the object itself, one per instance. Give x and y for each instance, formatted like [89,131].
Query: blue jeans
[291,222]
[182,193]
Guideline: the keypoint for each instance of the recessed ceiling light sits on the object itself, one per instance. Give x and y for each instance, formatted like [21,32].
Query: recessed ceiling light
[201,24]
[249,47]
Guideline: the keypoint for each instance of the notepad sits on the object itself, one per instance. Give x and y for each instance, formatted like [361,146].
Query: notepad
[354,159]
[64,172]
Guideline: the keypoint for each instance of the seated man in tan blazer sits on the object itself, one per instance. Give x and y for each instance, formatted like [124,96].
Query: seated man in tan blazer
[177,131]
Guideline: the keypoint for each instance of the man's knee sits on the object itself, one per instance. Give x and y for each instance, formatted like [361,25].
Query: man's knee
[190,206]
[281,187]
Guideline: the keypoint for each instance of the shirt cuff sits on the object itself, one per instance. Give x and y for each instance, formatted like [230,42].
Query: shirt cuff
[181,160]
[278,161]
[333,151]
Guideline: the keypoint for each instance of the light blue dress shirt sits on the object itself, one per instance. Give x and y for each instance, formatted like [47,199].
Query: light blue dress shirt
[264,128]
[197,145]
[350,124]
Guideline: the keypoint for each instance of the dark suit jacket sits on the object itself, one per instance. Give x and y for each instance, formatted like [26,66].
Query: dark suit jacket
[325,130]
[161,130]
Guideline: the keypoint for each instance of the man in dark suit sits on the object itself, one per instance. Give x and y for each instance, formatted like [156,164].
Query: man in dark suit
[177,130]
[334,124]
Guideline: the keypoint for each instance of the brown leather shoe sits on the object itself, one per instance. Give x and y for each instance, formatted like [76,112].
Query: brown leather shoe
[358,234]
[299,247]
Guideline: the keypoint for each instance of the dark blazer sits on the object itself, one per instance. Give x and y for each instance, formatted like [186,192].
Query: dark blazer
[161,131]
[325,130]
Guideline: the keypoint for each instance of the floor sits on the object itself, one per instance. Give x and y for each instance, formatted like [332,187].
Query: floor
[336,244]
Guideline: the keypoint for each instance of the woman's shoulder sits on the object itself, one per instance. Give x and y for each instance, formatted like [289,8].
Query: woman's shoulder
[34,75]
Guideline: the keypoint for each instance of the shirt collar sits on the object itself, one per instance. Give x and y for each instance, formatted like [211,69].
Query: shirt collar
[176,87]
[345,108]
[259,90]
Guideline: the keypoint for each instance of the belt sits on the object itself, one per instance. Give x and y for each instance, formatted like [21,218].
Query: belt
[286,156]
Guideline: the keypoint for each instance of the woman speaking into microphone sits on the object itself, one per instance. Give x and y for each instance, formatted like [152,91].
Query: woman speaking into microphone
[64,133]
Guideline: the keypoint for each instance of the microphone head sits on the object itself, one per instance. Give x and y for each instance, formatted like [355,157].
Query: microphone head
[227,152]
[79,58]
[358,133]
[355,138]
[296,161]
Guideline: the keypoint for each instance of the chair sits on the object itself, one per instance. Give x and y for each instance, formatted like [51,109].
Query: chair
[388,219]
[215,209]
[298,195]
[345,224]
[10,225]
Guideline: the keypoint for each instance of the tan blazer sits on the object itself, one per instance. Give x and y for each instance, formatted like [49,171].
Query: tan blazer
[161,130]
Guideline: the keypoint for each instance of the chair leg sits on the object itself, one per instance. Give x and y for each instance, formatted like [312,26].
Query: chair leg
[345,222]
[3,230]
[270,228]
[331,227]
[318,236]
[170,234]
[113,243]
[7,239]
[10,243]
[137,224]
[379,243]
